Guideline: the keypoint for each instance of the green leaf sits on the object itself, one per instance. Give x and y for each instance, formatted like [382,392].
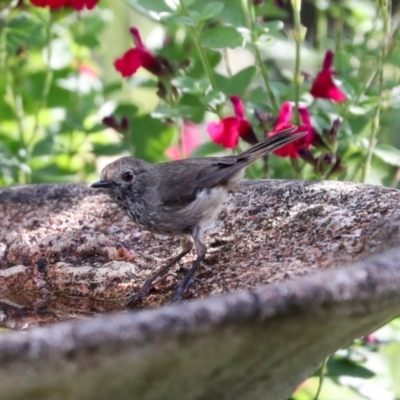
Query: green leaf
[236,84]
[33,86]
[207,149]
[258,95]
[89,41]
[197,70]
[186,84]
[214,97]
[94,25]
[220,37]
[53,173]
[158,6]
[25,29]
[128,110]
[150,137]
[211,10]
[388,154]
[190,108]
[233,13]
[338,367]
[180,20]
[89,34]
[195,108]
[43,147]
[6,111]
[4,152]
[273,27]
[95,129]
[391,354]
[272,11]
[163,112]
[111,149]
[112,87]
[9,144]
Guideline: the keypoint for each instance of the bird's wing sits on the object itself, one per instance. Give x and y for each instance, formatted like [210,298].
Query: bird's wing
[220,172]
[187,177]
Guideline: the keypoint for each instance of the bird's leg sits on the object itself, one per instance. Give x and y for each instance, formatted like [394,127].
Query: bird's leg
[186,245]
[201,250]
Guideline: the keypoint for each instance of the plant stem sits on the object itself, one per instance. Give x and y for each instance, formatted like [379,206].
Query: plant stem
[13,91]
[228,63]
[352,177]
[180,125]
[385,9]
[339,23]
[321,378]
[392,46]
[19,111]
[295,168]
[47,83]
[249,12]
[202,54]
[298,37]
[3,38]
[321,28]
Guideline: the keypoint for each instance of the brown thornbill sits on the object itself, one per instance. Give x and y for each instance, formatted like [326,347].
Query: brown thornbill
[181,198]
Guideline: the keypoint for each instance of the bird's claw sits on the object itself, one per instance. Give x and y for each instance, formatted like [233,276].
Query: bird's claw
[136,298]
[176,298]
[181,290]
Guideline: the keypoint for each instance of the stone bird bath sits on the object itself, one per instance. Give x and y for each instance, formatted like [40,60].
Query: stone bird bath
[295,270]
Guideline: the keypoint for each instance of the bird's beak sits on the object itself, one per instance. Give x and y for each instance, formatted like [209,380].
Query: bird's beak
[102,184]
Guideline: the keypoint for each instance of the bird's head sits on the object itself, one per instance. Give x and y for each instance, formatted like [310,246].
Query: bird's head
[120,175]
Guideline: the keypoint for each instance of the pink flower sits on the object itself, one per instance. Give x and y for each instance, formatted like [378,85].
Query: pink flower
[283,122]
[138,57]
[324,87]
[191,139]
[87,69]
[227,131]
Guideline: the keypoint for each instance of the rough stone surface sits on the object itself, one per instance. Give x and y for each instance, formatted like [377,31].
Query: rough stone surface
[65,241]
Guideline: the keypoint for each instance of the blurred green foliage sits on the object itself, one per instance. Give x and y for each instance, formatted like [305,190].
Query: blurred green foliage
[55,94]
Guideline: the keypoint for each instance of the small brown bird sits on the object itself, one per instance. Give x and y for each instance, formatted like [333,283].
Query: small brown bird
[180,198]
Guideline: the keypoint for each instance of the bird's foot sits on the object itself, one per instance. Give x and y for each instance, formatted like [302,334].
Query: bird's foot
[176,298]
[138,296]
[184,286]
[181,290]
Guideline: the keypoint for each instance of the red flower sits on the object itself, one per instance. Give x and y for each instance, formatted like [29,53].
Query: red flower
[76,4]
[229,129]
[324,87]
[283,122]
[51,3]
[81,4]
[138,57]
[306,120]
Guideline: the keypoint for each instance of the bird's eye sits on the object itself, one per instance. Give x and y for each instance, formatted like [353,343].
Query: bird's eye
[127,176]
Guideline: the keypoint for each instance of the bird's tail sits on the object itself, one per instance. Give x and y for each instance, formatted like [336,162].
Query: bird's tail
[273,143]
